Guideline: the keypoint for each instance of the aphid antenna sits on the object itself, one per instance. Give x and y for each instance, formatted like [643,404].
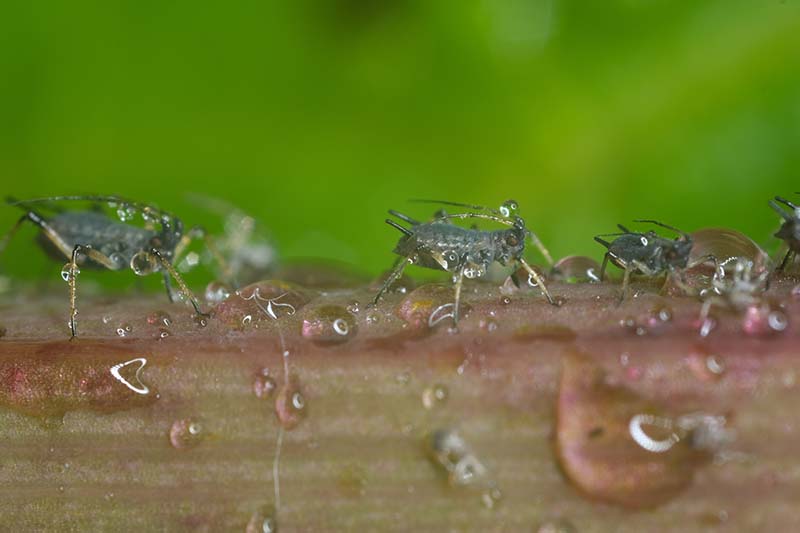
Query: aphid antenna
[90,198]
[403,217]
[661,224]
[398,227]
[496,212]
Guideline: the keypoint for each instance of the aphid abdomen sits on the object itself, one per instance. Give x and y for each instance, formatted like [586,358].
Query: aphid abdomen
[114,239]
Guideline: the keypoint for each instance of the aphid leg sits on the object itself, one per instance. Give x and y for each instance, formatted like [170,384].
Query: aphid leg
[626,278]
[397,271]
[72,276]
[538,279]
[542,249]
[457,298]
[49,232]
[603,266]
[703,259]
[168,286]
[787,259]
[185,291]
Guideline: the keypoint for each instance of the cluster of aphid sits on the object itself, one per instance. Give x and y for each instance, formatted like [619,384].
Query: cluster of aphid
[91,238]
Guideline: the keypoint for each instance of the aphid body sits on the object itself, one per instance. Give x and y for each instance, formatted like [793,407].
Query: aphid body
[90,238]
[648,253]
[464,252]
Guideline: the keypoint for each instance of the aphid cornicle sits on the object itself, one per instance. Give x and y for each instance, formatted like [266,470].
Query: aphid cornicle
[650,254]
[463,252]
[90,238]
[789,231]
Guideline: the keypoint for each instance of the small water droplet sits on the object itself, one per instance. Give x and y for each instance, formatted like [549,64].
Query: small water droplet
[201,321]
[489,325]
[491,497]
[163,333]
[557,526]
[778,321]
[106,319]
[328,324]
[217,292]
[67,272]
[159,318]
[263,521]
[373,318]
[353,307]
[246,320]
[715,365]
[505,300]
[124,330]
[291,406]
[264,385]
[434,396]
[185,433]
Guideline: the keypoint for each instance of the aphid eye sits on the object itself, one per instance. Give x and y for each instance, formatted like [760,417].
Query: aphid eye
[511,240]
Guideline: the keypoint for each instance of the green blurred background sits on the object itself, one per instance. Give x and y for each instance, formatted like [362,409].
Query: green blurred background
[317,116]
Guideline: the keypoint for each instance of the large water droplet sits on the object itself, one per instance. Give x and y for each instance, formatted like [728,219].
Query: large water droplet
[263,301]
[67,272]
[576,269]
[328,324]
[725,244]
[143,263]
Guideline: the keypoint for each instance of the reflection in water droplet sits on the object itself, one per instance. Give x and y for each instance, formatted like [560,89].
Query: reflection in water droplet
[715,365]
[136,384]
[185,433]
[217,292]
[434,396]
[576,269]
[647,442]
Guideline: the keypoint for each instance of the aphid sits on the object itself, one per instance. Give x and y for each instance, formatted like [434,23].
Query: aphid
[90,238]
[650,254]
[789,231]
[743,289]
[440,245]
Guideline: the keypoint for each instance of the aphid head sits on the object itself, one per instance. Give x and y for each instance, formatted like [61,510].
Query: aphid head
[168,238]
[510,243]
[676,253]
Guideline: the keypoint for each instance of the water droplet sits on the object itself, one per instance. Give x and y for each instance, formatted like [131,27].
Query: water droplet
[708,325]
[143,263]
[291,406]
[353,307]
[106,319]
[263,384]
[725,244]
[715,365]
[217,292]
[419,306]
[124,330]
[557,526]
[246,320]
[491,497]
[761,319]
[262,301]
[126,212]
[200,321]
[448,450]
[67,272]
[328,324]
[778,320]
[163,333]
[434,396]
[488,324]
[373,318]
[159,318]
[263,521]
[185,433]
[576,269]
[505,300]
